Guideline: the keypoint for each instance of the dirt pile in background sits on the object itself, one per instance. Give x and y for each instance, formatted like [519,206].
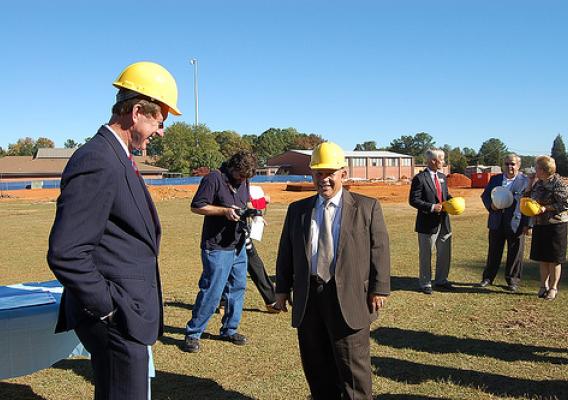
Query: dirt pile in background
[458,180]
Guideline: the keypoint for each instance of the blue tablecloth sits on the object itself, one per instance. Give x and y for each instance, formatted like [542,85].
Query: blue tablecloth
[28,313]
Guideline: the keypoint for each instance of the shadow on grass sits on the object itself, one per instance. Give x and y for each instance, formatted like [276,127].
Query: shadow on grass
[17,391]
[165,385]
[409,372]
[443,344]
[178,304]
[408,284]
[399,396]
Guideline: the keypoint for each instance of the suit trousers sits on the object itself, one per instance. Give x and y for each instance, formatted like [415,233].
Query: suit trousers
[120,365]
[515,252]
[442,241]
[336,358]
[259,276]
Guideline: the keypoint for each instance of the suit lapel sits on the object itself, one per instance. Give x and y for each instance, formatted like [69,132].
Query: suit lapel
[429,182]
[306,221]
[136,186]
[348,212]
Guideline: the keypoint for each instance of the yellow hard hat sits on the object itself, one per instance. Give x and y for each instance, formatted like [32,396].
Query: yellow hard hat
[454,206]
[152,80]
[327,155]
[530,207]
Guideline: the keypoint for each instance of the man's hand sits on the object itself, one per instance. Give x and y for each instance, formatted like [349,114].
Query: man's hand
[281,300]
[376,302]
[437,208]
[231,214]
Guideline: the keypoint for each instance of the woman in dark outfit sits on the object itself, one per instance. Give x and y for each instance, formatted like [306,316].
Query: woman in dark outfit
[550,227]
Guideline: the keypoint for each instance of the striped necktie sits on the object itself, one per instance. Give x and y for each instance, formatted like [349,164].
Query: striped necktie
[325,244]
[134,166]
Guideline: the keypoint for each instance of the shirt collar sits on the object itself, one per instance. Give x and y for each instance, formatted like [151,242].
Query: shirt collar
[335,200]
[119,140]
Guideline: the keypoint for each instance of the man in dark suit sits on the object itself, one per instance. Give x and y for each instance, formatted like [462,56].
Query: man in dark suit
[104,243]
[334,256]
[427,192]
[506,225]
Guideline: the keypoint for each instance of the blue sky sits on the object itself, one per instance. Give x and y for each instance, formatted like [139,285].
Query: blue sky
[351,71]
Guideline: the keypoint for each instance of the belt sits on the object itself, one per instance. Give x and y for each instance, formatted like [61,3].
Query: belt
[317,283]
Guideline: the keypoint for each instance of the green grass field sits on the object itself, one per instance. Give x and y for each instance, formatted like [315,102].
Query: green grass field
[472,343]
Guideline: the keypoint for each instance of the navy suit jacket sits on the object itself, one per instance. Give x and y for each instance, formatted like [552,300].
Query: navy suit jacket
[496,218]
[103,245]
[422,197]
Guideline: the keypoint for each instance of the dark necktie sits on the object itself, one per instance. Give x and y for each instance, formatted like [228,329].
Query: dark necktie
[325,244]
[438,187]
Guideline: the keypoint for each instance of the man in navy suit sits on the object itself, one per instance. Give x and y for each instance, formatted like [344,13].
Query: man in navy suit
[104,243]
[427,192]
[506,225]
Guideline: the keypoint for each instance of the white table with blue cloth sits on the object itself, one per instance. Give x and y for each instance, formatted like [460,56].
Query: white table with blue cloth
[28,314]
[28,342]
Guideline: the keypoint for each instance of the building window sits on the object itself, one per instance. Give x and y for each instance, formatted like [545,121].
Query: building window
[358,162]
[376,162]
[392,162]
[406,162]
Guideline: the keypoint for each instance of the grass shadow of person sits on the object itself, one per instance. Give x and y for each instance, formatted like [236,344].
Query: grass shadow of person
[445,344]
[18,391]
[410,284]
[409,372]
[166,385]
[406,396]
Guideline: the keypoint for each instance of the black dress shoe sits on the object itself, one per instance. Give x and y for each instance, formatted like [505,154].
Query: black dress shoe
[444,286]
[512,288]
[237,339]
[485,282]
[191,345]
[426,290]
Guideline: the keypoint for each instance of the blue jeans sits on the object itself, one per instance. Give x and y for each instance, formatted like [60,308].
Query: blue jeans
[224,274]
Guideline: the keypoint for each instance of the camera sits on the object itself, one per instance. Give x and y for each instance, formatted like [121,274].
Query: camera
[245,213]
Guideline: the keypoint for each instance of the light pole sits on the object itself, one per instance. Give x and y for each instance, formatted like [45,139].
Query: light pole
[193,62]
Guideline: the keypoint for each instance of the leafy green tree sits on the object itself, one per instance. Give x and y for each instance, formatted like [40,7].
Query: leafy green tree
[558,152]
[492,152]
[23,147]
[307,141]
[470,156]
[88,138]
[527,161]
[2,152]
[274,141]
[230,142]
[43,143]
[456,159]
[250,140]
[414,146]
[188,147]
[366,146]
[71,144]
[155,147]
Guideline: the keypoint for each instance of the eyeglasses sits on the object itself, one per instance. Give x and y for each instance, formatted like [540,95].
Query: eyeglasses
[510,164]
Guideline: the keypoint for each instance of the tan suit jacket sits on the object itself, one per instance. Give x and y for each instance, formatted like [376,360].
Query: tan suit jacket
[362,259]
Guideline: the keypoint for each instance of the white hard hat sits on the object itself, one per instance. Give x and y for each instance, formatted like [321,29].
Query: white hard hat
[501,197]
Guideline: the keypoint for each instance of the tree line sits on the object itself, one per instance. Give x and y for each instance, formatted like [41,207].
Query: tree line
[185,148]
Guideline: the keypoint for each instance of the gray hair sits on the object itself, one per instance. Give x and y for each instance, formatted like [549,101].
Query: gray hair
[434,154]
[513,156]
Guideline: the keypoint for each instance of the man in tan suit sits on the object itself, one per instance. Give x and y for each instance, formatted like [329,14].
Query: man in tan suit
[334,256]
